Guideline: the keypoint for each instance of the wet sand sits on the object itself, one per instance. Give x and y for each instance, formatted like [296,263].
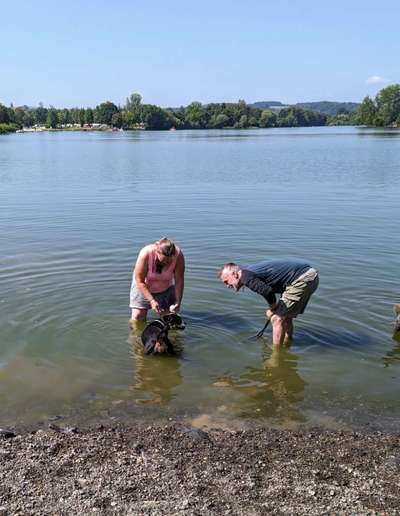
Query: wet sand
[177,469]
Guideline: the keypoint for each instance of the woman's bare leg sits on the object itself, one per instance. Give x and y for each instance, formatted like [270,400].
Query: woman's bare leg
[138,315]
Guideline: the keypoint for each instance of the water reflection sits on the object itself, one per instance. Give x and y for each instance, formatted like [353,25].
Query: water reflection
[273,390]
[393,356]
[156,377]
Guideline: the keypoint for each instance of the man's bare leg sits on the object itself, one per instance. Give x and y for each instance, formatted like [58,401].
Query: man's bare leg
[288,329]
[278,330]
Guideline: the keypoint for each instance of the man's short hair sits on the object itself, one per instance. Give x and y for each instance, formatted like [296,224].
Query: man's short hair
[228,267]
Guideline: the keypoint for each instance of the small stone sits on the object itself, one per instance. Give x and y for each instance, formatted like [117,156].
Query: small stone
[332,492]
[71,430]
[6,434]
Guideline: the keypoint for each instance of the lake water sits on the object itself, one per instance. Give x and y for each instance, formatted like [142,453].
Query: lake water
[75,209]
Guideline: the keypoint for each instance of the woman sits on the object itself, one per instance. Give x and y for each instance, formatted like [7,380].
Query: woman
[158,280]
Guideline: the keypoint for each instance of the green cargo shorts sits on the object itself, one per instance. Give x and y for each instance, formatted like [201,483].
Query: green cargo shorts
[296,295]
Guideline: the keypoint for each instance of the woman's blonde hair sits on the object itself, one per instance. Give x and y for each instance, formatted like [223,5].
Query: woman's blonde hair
[166,247]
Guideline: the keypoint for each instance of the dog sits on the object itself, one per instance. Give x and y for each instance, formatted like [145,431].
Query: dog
[155,336]
[396,311]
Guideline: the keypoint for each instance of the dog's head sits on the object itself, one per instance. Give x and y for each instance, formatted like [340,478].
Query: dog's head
[173,321]
[396,311]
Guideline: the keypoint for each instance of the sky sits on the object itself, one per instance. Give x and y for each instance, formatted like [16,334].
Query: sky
[81,53]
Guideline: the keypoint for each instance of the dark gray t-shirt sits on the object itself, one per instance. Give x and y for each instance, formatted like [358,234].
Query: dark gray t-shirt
[272,276]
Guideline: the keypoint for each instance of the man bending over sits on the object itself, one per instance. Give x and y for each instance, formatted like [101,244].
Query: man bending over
[295,281]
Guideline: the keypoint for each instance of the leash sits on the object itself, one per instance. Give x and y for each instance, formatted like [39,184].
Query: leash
[261,332]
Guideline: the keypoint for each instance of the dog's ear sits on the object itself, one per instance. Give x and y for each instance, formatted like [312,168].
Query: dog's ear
[396,309]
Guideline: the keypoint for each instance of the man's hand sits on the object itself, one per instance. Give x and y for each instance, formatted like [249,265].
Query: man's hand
[269,313]
[155,306]
[174,308]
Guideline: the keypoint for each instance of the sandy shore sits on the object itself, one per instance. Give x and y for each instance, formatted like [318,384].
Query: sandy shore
[174,469]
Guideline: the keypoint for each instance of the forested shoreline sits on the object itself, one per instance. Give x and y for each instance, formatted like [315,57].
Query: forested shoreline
[384,110]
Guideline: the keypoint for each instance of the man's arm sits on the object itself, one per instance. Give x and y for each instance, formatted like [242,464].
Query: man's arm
[257,285]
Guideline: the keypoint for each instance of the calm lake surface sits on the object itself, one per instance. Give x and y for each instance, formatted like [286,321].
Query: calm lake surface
[76,208]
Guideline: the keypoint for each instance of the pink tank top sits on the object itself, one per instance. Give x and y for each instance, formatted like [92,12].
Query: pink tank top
[159,282]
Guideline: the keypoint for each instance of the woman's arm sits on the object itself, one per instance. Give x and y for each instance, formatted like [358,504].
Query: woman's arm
[140,274]
[179,280]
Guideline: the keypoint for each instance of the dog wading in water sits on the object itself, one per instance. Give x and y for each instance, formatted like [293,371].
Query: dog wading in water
[155,336]
[294,281]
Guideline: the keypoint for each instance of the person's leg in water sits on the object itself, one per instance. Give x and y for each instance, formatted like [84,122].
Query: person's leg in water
[278,330]
[138,317]
[288,330]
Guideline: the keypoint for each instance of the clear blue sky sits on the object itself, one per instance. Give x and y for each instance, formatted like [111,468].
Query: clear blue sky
[80,53]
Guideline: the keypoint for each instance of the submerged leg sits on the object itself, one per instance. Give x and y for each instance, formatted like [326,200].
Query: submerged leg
[138,315]
[288,329]
[278,330]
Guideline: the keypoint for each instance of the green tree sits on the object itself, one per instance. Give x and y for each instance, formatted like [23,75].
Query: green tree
[242,123]
[116,119]
[155,118]
[267,119]
[388,104]
[4,115]
[195,116]
[52,118]
[19,115]
[128,119]
[134,106]
[366,112]
[82,117]
[28,120]
[133,102]
[40,114]
[89,117]
[219,121]
[104,112]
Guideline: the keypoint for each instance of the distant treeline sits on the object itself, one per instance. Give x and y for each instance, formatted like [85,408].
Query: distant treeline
[384,110]
[136,115]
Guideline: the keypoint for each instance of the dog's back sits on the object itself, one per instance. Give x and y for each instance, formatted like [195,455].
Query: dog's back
[153,333]
[157,332]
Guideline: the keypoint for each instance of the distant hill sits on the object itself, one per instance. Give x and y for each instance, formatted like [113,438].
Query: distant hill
[265,104]
[325,106]
[329,108]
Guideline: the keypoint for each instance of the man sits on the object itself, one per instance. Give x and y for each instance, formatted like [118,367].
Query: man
[295,281]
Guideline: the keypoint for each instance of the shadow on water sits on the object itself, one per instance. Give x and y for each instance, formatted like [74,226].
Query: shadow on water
[327,338]
[273,390]
[322,339]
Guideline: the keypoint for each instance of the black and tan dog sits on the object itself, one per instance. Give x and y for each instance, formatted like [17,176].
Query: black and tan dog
[155,335]
[396,311]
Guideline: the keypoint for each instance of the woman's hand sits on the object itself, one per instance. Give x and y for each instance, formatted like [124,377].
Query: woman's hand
[155,306]
[174,308]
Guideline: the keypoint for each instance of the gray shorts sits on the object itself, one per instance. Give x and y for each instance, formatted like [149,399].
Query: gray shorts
[296,295]
[165,299]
